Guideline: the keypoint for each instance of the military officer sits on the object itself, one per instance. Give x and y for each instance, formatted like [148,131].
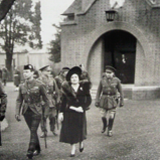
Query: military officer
[54,98]
[109,96]
[29,98]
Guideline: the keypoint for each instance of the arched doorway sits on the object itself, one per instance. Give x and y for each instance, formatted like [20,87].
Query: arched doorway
[120,52]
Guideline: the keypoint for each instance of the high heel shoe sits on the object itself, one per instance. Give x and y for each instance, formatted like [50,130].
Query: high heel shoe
[81,149]
[72,155]
[29,154]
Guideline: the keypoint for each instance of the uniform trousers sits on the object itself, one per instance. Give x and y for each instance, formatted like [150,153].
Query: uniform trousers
[33,121]
[104,112]
[51,114]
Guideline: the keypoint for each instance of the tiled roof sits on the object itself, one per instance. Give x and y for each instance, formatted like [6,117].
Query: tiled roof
[75,7]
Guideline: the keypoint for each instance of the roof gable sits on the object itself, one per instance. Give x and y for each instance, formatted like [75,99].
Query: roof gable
[79,6]
[75,7]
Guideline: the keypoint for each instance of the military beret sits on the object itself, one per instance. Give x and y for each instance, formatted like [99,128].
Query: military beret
[44,67]
[75,70]
[110,68]
[28,66]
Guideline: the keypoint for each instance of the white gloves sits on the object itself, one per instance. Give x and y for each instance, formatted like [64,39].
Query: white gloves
[60,117]
[79,109]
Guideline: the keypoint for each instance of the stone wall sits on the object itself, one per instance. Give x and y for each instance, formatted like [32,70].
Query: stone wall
[137,17]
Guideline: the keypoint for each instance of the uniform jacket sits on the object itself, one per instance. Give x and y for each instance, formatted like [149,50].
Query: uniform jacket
[30,95]
[108,91]
[53,92]
[59,80]
[3,101]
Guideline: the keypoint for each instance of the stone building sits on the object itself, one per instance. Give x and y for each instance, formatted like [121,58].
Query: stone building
[130,43]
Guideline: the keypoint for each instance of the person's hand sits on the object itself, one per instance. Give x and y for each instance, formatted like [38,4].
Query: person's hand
[80,109]
[60,117]
[17,117]
[77,109]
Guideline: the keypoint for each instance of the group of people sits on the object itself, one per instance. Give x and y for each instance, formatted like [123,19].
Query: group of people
[65,98]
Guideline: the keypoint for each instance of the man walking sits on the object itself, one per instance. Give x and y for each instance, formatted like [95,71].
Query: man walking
[54,98]
[30,94]
[109,95]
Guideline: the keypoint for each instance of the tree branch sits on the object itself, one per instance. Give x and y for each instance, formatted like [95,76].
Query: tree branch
[4,7]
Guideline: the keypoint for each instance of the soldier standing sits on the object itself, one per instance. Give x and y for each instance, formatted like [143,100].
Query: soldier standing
[30,94]
[54,98]
[109,95]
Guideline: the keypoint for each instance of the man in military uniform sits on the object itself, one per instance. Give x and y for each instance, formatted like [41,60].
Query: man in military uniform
[109,96]
[54,98]
[29,98]
[61,77]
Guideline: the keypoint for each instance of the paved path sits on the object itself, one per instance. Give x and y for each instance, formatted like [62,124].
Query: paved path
[136,135]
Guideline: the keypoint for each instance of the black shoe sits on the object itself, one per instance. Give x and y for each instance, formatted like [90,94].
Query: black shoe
[36,153]
[72,155]
[29,154]
[103,130]
[81,149]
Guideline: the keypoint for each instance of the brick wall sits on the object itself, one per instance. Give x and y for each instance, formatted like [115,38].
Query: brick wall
[141,20]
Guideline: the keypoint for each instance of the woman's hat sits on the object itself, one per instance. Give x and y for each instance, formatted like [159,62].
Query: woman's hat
[75,70]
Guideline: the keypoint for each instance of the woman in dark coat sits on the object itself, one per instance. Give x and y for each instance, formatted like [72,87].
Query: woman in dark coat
[75,102]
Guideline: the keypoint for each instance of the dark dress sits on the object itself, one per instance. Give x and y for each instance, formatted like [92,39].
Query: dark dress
[74,127]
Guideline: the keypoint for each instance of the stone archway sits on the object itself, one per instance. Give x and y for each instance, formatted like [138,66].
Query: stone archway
[96,34]
[142,42]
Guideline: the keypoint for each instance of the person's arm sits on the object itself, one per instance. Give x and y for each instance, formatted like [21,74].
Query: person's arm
[19,102]
[99,90]
[62,108]
[43,93]
[57,91]
[3,103]
[119,87]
